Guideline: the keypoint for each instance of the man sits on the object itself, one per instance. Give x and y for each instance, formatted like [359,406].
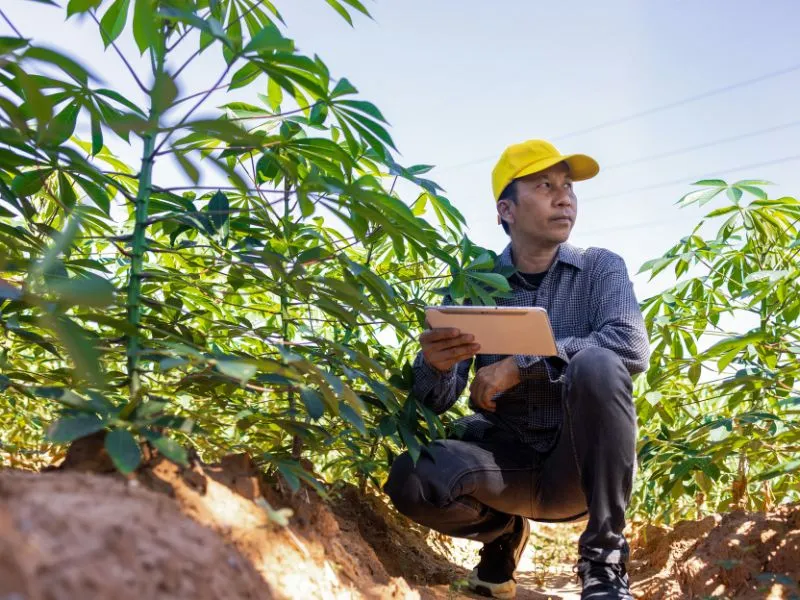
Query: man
[552,438]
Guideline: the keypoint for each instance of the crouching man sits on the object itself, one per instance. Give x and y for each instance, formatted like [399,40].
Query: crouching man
[551,439]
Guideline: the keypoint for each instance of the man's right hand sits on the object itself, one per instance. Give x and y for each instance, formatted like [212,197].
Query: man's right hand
[443,348]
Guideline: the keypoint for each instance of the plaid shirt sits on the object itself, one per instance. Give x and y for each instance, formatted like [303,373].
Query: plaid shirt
[590,302]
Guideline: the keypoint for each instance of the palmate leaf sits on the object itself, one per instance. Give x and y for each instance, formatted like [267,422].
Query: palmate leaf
[113,21]
[69,429]
[124,450]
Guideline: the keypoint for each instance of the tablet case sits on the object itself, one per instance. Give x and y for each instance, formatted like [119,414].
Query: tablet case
[499,329]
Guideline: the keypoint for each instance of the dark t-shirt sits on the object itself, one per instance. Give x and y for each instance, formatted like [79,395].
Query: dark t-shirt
[534,280]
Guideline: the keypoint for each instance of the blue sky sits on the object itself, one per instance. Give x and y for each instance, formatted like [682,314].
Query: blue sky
[461,80]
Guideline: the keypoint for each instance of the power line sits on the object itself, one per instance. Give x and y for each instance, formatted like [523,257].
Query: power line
[683,180]
[686,149]
[650,111]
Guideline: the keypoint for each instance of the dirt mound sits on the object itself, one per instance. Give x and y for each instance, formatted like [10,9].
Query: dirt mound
[400,544]
[66,536]
[743,556]
[73,533]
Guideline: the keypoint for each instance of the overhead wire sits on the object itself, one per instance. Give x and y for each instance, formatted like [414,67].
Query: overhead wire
[650,111]
[683,180]
[685,149]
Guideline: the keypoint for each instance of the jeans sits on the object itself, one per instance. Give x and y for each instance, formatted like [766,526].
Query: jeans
[474,488]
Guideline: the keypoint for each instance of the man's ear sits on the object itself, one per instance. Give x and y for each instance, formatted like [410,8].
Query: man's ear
[503,211]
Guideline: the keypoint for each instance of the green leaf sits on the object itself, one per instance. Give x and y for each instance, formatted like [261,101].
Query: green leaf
[235,369]
[341,10]
[66,193]
[789,467]
[69,429]
[167,447]
[81,6]
[92,291]
[755,191]
[494,280]
[191,171]
[753,182]
[218,209]
[712,182]
[358,6]
[63,125]
[770,275]
[481,262]
[123,450]
[62,241]
[654,397]
[165,364]
[40,105]
[97,135]
[113,21]
[164,92]
[97,193]
[269,39]
[349,413]
[313,402]
[121,99]
[365,107]
[9,44]
[145,31]
[68,65]
[343,88]
[291,477]
[30,182]
[735,194]
[274,94]
[77,342]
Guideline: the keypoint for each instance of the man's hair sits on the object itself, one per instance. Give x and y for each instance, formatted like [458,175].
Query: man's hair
[508,193]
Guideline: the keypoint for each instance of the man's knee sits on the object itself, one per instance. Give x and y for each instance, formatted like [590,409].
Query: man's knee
[597,369]
[599,381]
[405,487]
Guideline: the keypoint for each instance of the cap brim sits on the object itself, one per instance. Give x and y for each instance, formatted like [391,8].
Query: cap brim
[581,167]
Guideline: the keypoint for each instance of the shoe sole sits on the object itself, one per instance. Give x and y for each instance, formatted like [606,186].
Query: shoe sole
[503,591]
[508,589]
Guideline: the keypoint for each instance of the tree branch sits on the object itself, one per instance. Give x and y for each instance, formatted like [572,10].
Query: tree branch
[121,56]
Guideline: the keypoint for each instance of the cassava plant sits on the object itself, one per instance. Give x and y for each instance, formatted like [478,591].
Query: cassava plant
[253,281]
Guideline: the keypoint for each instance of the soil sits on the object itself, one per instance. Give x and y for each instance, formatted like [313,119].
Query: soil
[741,555]
[225,531]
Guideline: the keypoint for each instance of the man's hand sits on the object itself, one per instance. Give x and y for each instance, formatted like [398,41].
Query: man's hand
[444,348]
[492,380]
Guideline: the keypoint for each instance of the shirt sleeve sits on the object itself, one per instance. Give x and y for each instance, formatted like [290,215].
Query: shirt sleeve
[439,390]
[616,321]
[436,389]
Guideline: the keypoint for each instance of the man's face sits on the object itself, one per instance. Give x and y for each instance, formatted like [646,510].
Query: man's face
[546,206]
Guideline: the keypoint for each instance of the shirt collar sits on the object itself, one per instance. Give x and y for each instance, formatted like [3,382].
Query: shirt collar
[567,253]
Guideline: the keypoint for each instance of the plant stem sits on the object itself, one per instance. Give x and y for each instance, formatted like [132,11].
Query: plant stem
[138,249]
[297,442]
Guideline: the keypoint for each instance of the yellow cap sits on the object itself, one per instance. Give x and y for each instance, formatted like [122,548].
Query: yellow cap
[533,156]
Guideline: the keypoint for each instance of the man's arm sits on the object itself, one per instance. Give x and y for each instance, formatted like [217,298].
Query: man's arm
[616,320]
[436,389]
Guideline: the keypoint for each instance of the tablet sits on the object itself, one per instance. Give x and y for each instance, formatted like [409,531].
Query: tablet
[499,329]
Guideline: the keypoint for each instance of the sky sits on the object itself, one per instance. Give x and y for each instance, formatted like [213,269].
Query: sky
[459,81]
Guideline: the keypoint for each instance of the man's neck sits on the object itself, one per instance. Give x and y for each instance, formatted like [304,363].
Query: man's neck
[530,258]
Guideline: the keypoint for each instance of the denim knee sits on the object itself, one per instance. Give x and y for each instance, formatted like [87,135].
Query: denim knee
[404,486]
[597,370]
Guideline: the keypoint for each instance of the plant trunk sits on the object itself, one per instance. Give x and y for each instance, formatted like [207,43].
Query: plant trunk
[297,442]
[138,249]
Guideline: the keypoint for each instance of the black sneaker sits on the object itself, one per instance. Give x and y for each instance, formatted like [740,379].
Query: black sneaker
[603,581]
[494,575]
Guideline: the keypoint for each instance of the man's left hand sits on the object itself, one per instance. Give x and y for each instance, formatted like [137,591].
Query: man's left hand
[492,380]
